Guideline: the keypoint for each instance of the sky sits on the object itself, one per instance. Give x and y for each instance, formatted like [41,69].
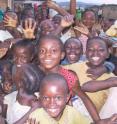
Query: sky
[95,1]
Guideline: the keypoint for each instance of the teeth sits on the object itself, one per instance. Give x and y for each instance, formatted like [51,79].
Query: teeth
[52,110]
[95,58]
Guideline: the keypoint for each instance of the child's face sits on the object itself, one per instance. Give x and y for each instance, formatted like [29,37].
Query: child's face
[73,51]
[53,99]
[89,19]
[57,19]
[47,27]
[50,54]
[97,52]
[22,56]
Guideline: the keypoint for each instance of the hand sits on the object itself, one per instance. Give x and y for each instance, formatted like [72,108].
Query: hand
[66,21]
[111,120]
[81,28]
[51,4]
[9,21]
[96,72]
[30,26]
[32,121]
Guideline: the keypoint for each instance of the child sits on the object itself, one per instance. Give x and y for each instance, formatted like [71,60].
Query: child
[73,50]
[97,52]
[54,95]
[50,53]
[22,101]
[23,52]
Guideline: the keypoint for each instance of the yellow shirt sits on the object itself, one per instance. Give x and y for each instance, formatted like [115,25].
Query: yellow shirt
[99,97]
[70,116]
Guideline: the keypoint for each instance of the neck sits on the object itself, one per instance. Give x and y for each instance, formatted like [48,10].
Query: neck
[52,70]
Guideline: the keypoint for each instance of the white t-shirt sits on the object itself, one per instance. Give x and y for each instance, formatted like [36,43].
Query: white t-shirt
[4,35]
[15,111]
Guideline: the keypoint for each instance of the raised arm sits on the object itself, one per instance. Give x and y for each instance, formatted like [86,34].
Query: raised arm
[56,7]
[87,102]
[73,7]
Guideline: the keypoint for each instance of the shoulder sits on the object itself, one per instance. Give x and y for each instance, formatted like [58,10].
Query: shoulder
[76,116]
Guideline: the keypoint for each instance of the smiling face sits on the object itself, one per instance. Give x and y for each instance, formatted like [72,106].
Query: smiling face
[73,49]
[22,55]
[97,51]
[47,26]
[89,19]
[54,96]
[50,54]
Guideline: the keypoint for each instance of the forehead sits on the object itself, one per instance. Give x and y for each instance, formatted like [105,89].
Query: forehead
[49,42]
[19,49]
[46,22]
[96,42]
[73,41]
[89,14]
[50,86]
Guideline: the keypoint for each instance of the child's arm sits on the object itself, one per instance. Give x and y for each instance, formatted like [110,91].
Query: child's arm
[88,103]
[94,86]
[73,7]
[107,67]
[86,100]
[56,7]
[111,120]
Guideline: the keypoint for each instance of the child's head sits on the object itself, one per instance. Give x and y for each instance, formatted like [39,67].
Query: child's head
[97,51]
[57,20]
[73,49]
[23,52]
[30,78]
[54,94]
[46,27]
[6,76]
[89,18]
[27,12]
[50,52]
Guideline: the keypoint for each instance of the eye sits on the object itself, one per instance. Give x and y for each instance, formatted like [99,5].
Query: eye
[45,98]
[41,51]
[54,50]
[101,50]
[58,98]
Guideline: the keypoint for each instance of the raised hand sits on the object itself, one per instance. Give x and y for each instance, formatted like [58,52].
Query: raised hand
[51,4]
[29,29]
[10,22]
[67,21]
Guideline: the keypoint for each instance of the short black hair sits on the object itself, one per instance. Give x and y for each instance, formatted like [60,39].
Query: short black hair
[31,77]
[25,43]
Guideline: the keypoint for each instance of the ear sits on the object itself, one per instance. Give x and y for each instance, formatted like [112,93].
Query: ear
[62,55]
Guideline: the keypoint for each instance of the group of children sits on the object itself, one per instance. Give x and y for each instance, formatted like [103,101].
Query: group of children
[47,81]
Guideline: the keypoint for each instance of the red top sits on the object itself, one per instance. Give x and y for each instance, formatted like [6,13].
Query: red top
[70,77]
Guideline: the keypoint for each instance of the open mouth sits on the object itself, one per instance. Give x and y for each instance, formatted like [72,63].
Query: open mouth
[95,58]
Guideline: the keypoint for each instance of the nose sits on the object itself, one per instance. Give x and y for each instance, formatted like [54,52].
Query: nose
[48,53]
[95,53]
[52,102]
